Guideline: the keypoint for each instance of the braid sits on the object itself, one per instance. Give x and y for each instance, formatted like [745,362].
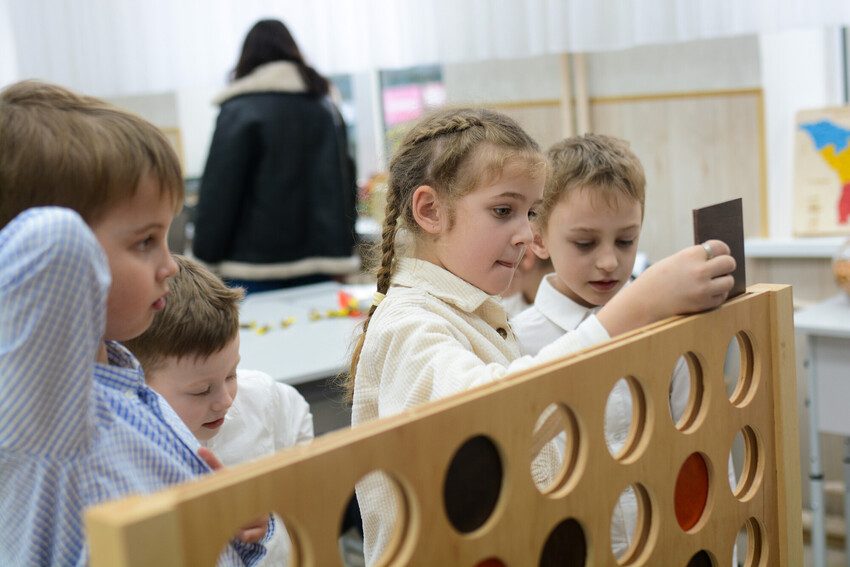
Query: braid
[391,214]
[443,151]
[452,125]
[388,242]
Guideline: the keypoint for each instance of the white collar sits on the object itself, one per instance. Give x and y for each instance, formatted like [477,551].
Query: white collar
[558,308]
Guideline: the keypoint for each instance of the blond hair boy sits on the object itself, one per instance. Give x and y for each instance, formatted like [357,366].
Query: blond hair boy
[588,225]
[87,193]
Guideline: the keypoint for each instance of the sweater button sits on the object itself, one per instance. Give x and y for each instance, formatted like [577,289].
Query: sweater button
[502,332]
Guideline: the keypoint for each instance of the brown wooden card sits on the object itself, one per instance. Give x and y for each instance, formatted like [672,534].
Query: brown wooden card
[725,221]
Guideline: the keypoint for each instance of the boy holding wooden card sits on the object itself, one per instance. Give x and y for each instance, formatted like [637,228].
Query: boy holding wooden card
[589,224]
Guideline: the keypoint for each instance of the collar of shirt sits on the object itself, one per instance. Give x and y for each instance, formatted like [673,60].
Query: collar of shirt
[123,371]
[124,374]
[558,308]
[441,283]
[447,287]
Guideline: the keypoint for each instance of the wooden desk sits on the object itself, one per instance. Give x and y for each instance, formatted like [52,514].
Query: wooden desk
[827,329]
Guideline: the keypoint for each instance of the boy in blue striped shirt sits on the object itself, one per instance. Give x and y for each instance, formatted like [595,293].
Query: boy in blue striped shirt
[85,269]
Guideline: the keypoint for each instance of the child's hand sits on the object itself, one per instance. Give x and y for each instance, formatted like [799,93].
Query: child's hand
[210,459]
[255,530]
[689,281]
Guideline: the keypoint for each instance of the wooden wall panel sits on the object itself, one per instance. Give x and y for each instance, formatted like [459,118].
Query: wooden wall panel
[543,120]
[697,150]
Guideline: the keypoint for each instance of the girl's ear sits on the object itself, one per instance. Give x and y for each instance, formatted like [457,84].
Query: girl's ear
[427,212]
[539,247]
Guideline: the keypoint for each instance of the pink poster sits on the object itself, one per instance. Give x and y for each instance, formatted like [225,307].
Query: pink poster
[402,104]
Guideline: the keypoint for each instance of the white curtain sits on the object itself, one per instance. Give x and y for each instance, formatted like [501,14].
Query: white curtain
[119,47]
[8,57]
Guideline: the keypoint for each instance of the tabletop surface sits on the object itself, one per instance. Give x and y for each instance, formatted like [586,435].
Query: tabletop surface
[829,318]
[306,349]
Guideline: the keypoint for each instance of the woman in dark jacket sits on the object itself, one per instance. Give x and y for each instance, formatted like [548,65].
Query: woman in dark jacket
[277,199]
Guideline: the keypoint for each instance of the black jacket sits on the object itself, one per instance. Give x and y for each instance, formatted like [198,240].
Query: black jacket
[277,197]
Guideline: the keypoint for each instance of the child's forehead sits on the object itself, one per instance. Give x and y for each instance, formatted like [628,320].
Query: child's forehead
[188,369]
[490,164]
[598,198]
[517,187]
[146,192]
[167,190]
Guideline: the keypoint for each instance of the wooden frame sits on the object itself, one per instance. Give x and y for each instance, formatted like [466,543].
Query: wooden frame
[309,486]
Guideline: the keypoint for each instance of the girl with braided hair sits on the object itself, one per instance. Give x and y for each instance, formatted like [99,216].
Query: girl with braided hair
[463,185]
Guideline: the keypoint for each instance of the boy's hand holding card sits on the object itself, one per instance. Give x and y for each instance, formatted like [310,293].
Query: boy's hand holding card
[724,221]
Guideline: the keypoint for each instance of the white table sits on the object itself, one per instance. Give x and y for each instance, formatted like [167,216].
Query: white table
[827,329]
[306,350]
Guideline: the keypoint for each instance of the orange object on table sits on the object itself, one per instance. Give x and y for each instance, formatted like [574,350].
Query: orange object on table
[348,304]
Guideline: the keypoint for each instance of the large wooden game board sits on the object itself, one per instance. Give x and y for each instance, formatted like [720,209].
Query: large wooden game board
[463,465]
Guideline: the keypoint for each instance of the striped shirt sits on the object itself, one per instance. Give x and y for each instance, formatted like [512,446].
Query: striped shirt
[73,432]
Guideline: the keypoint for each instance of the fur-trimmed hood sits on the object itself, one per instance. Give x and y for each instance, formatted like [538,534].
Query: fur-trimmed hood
[277,76]
[277,198]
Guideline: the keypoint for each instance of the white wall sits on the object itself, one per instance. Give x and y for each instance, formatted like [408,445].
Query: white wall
[370,136]
[504,80]
[800,69]
[8,55]
[196,119]
[718,64]
[159,109]
[727,63]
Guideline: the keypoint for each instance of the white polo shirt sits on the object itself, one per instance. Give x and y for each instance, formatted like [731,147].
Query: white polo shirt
[551,317]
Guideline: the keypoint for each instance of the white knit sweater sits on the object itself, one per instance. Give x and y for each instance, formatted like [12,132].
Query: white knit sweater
[432,336]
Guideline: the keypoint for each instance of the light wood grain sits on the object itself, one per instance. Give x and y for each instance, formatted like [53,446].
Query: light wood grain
[309,486]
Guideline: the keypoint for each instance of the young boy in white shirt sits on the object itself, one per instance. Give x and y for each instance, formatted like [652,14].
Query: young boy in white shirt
[588,225]
[190,354]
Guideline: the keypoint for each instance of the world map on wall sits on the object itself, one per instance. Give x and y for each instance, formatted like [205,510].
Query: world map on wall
[832,142]
[822,172]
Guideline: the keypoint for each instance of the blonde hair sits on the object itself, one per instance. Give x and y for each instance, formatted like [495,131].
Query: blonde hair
[200,318]
[602,164]
[454,151]
[64,149]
